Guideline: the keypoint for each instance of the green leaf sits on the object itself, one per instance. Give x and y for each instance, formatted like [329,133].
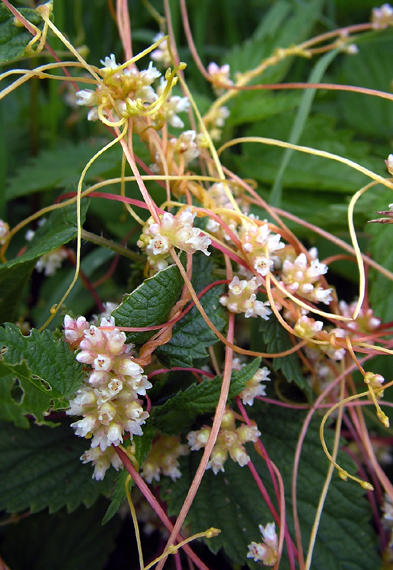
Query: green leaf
[150,303]
[10,409]
[40,469]
[59,167]
[305,171]
[178,413]
[73,540]
[232,502]
[59,229]
[49,361]
[276,339]
[372,68]
[191,336]
[13,38]
[380,287]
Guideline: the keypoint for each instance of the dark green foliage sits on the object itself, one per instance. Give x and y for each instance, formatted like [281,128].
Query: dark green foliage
[14,38]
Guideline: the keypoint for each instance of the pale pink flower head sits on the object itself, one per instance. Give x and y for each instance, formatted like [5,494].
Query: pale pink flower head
[265,551]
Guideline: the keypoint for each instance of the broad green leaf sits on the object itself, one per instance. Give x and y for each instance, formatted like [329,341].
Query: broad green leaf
[380,287]
[284,25]
[178,413]
[305,171]
[258,105]
[60,167]
[191,336]
[22,396]
[150,303]
[372,68]
[40,469]
[70,541]
[276,339]
[13,38]
[59,229]
[48,363]
[231,501]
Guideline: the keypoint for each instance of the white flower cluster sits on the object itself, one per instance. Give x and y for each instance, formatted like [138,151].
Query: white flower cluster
[128,92]
[108,399]
[241,298]
[253,388]
[382,17]
[50,262]
[230,440]
[4,232]
[265,552]
[260,245]
[300,276]
[163,458]
[177,231]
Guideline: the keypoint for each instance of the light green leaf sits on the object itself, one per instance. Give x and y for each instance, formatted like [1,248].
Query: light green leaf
[48,363]
[62,166]
[372,68]
[150,303]
[305,171]
[40,469]
[178,413]
[231,501]
[71,541]
[14,39]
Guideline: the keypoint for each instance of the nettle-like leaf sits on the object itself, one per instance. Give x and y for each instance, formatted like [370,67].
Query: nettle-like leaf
[65,540]
[232,502]
[178,413]
[45,368]
[191,335]
[58,229]
[150,303]
[304,170]
[61,166]
[40,469]
[276,339]
[14,38]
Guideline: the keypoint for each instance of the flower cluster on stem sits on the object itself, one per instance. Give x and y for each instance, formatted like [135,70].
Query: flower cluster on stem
[163,458]
[108,398]
[230,440]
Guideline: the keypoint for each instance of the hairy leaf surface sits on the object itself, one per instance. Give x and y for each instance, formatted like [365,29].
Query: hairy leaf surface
[13,38]
[40,469]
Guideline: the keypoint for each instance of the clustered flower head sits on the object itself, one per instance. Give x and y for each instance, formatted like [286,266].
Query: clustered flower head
[163,458]
[124,92]
[177,231]
[170,108]
[241,298]
[259,244]
[50,262]
[4,232]
[301,276]
[230,440]
[382,17]
[267,550]
[108,399]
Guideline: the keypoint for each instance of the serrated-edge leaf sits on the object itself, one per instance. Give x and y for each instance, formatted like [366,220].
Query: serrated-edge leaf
[181,410]
[150,304]
[50,364]
[13,38]
[40,468]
